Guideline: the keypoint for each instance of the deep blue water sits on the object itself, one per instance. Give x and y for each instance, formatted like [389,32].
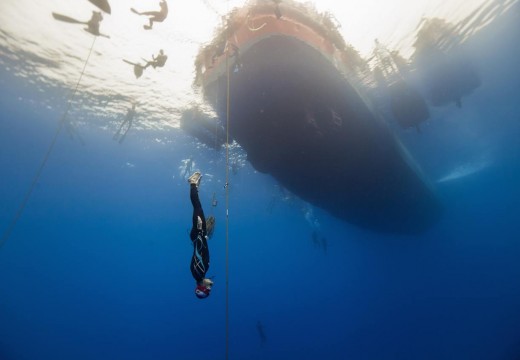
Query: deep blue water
[98,264]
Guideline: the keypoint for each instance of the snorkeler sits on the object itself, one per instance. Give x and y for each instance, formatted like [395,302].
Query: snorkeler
[92,24]
[188,167]
[128,120]
[158,61]
[199,236]
[157,16]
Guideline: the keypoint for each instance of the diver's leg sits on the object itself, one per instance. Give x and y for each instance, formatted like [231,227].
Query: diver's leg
[150,13]
[197,211]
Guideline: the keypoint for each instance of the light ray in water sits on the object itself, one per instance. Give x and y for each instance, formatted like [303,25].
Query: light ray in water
[465,170]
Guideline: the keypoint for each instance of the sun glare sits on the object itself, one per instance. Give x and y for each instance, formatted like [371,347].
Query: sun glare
[393,22]
[189,26]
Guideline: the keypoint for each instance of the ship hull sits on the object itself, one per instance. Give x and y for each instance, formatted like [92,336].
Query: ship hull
[299,120]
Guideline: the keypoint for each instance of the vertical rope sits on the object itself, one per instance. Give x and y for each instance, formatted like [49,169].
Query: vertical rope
[21,208]
[227,208]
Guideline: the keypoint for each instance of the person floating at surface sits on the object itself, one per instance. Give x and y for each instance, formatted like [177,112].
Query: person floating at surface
[158,61]
[157,16]
[128,120]
[94,22]
[199,237]
[92,25]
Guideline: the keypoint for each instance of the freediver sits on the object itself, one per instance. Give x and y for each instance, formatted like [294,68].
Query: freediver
[458,102]
[158,61]
[214,201]
[261,333]
[319,242]
[199,235]
[94,22]
[188,167]
[157,16]
[92,25]
[128,120]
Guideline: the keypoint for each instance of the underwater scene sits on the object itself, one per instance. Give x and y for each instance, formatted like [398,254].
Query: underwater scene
[259,179]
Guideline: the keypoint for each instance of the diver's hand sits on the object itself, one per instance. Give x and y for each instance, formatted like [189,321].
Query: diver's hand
[207,283]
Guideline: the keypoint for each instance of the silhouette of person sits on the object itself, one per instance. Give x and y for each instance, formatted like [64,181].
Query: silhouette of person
[94,22]
[188,168]
[199,237]
[157,16]
[261,333]
[158,61]
[92,25]
[127,121]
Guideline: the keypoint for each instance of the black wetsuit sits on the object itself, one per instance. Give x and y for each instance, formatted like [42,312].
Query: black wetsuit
[200,258]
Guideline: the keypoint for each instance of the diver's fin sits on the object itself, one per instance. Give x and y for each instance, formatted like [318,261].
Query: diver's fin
[129,62]
[102,4]
[66,19]
[195,178]
[135,11]
[96,33]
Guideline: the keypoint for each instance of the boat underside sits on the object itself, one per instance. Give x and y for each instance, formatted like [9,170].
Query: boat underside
[300,121]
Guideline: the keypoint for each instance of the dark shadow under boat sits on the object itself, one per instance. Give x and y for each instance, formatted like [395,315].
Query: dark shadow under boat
[205,128]
[301,121]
